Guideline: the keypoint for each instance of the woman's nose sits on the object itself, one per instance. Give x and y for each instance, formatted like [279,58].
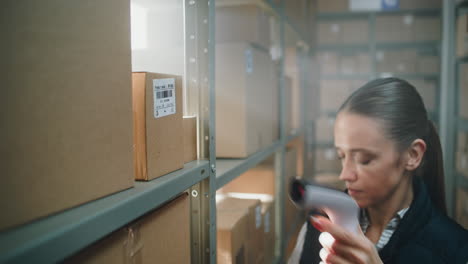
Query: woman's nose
[348,171]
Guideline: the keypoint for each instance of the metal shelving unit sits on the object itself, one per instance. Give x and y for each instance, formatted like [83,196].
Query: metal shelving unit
[59,236]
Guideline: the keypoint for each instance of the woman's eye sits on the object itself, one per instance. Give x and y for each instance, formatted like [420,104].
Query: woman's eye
[365,162]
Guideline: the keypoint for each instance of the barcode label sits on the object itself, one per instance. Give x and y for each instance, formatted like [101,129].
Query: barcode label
[164,97]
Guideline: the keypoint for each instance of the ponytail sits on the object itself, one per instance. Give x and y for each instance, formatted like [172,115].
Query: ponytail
[433,169]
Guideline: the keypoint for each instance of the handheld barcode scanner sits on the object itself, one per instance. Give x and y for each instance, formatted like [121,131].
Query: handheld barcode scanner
[340,207]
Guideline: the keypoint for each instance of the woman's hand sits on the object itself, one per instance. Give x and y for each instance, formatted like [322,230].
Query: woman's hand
[341,246]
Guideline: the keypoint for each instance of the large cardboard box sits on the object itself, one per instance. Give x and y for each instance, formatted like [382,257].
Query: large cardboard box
[254,222]
[268,216]
[427,29]
[243,23]
[190,138]
[292,58]
[333,93]
[462,207]
[420,4]
[260,179]
[463,91]
[330,6]
[330,179]
[462,35]
[326,160]
[428,64]
[324,129]
[356,31]
[232,237]
[157,124]
[329,62]
[394,28]
[330,32]
[245,115]
[428,91]
[163,234]
[66,107]
[397,61]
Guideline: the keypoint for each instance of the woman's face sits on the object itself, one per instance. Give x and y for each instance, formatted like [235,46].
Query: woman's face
[372,167]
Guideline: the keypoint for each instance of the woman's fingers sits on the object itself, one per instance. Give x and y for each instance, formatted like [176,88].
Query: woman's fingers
[339,233]
[331,258]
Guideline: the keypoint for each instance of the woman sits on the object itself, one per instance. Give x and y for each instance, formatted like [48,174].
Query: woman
[392,167]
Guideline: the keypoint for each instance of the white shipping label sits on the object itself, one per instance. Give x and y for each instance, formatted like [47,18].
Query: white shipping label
[258,217]
[248,61]
[266,222]
[164,97]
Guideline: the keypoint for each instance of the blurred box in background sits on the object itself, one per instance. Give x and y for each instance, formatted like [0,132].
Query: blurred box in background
[245,100]
[242,23]
[463,91]
[232,237]
[462,207]
[462,35]
[428,91]
[324,129]
[326,160]
[190,138]
[330,6]
[163,234]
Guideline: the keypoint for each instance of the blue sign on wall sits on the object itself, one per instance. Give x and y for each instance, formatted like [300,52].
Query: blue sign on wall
[390,4]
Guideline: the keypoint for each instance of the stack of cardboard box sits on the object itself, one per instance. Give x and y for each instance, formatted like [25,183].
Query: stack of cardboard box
[355,31]
[462,35]
[407,61]
[407,28]
[428,91]
[162,235]
[66,108]
[463,91]
[246,83]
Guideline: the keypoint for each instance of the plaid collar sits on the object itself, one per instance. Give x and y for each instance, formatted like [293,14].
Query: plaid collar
[389,229]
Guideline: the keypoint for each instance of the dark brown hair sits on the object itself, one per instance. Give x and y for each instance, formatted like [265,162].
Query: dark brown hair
[400,108]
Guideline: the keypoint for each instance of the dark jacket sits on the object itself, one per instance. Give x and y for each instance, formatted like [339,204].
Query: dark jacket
[424,235]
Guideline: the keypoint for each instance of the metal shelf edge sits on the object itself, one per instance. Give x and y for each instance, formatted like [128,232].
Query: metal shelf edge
[229,169]
[56,237]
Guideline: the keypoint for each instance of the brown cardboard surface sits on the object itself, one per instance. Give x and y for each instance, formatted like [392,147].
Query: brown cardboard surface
[245,115]
[288,104]
[330,179]
[420,4]
[260,179]
[463,94]
[232,236]
[329,62]
[326,160]
[159,142]
[330,6]
[190,138]
[324,129]
[462,35]
[394,28]
[65,106]
[356,31]
[330,33]
[333,93]
[427,29]
[268,216]
[242,23]
[254,222]
[163,234]
[428,64]
[462,207]
[428,91]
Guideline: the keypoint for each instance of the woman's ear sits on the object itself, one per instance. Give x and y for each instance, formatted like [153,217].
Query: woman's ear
[415,154]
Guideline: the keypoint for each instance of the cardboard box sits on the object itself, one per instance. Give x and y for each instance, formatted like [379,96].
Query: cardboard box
[427,29]
[330,33]
[462,207]
[398,61]
[428,64]
[394,28]
[254,222]
[243,23]
[245,115]
[292,58]
[190,138]
[66,107]
[326,160]
[330,6]
[363,63]
[157,124]
[329,62]
[163,234]
[330,179]
[462,35]
[268,216]
[333,93]
[232,237]
[355,31]
[428,91]
[420,4]
[463,91]
[324,129]
[260,179]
